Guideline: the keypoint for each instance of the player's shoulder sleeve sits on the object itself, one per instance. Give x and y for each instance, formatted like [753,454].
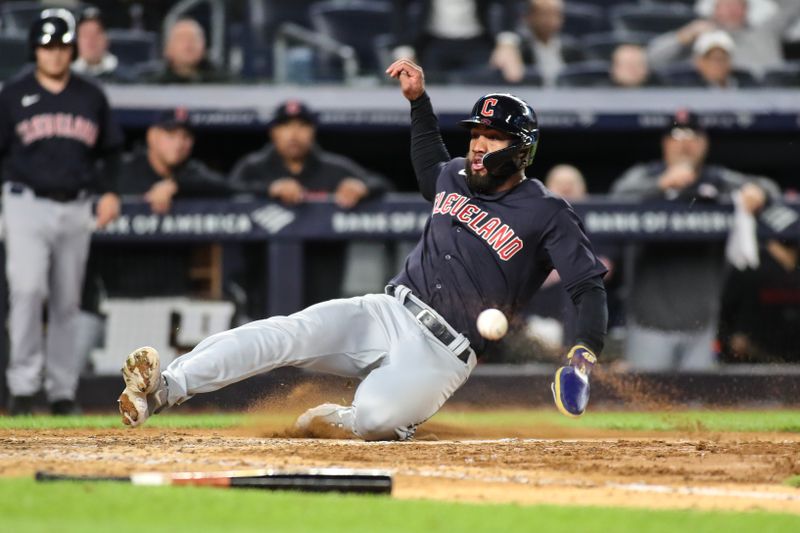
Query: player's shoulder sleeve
[250,174]
[565,241]
[110,137]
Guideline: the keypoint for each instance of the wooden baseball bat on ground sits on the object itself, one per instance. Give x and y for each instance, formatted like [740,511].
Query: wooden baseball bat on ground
[311,480]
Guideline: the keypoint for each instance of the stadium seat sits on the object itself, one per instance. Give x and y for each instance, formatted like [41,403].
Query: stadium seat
[492,77]
[653,18]
[787,76]
[585,74]
[262,19]
[17,17]
[133,46]
[690,3]
[580,19]
[357,24]
[606,3]
[684,75]
[14,54]
[600,46]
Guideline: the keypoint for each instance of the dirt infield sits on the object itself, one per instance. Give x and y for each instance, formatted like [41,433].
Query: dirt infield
[544,465]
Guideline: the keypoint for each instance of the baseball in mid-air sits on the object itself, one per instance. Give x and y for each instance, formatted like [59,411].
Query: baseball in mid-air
[492,324]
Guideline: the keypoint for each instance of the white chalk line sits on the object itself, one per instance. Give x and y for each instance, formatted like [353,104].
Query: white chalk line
[684,490]
[705,491]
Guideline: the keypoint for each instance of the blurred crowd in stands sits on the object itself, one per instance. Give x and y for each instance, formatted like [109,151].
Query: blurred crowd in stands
[671,293]
[550,43]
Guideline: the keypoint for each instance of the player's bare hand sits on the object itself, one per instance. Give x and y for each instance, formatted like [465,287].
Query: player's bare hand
[108,207]
[677,176]
[753,197]
[160,196]
[410,76]
[349,192]
[287,191]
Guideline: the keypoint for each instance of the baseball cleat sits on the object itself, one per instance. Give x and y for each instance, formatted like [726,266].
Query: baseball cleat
[321,421]
[145,390]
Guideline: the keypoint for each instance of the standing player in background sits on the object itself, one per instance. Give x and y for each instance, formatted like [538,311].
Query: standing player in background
[492,239]
[54,127]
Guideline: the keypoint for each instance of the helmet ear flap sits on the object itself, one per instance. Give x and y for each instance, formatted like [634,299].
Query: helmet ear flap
[511,159]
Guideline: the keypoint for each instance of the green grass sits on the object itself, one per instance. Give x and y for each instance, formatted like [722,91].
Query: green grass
[779,421]
[26,506]
[793,481]
[167,421]
[774,421]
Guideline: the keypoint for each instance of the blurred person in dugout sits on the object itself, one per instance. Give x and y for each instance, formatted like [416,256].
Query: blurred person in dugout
[757,41]
[760,315]
[94,58]
[450,36]
[158,173]
[185,59]
[674,294]
[293,169]
[543,45]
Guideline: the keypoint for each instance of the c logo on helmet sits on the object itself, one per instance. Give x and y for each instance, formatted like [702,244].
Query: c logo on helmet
[489,103]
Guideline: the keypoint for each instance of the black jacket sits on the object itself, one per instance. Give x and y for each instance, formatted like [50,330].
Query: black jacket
[194,179]
[410,25]
[764,305]
[160,72]
[322,172]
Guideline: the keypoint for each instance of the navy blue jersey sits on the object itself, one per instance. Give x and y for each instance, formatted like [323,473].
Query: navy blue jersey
[51,142]
[480,251]
[491,250]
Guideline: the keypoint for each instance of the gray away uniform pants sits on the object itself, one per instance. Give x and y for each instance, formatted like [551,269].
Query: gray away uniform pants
[407,373]
[47,244]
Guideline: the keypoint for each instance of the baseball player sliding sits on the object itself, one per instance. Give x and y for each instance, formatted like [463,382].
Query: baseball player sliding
[492,238]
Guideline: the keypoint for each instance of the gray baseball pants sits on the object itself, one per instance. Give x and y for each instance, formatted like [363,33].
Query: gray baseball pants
[47,244]
[407,373]
[660,351]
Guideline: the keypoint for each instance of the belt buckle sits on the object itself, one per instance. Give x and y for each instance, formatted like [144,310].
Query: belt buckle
[423,313]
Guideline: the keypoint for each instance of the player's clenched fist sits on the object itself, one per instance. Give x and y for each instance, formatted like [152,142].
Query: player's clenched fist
[411,77]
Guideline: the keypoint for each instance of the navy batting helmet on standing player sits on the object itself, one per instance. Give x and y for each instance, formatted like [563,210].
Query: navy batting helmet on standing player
[509,114]
[54,27]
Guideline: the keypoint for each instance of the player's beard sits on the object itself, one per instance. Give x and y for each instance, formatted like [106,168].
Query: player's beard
[482,183]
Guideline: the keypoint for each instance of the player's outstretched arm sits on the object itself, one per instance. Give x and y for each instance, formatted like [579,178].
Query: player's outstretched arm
[571,383]
[428,152]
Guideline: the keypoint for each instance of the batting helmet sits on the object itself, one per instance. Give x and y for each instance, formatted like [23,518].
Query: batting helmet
[54,26]
[509,114]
